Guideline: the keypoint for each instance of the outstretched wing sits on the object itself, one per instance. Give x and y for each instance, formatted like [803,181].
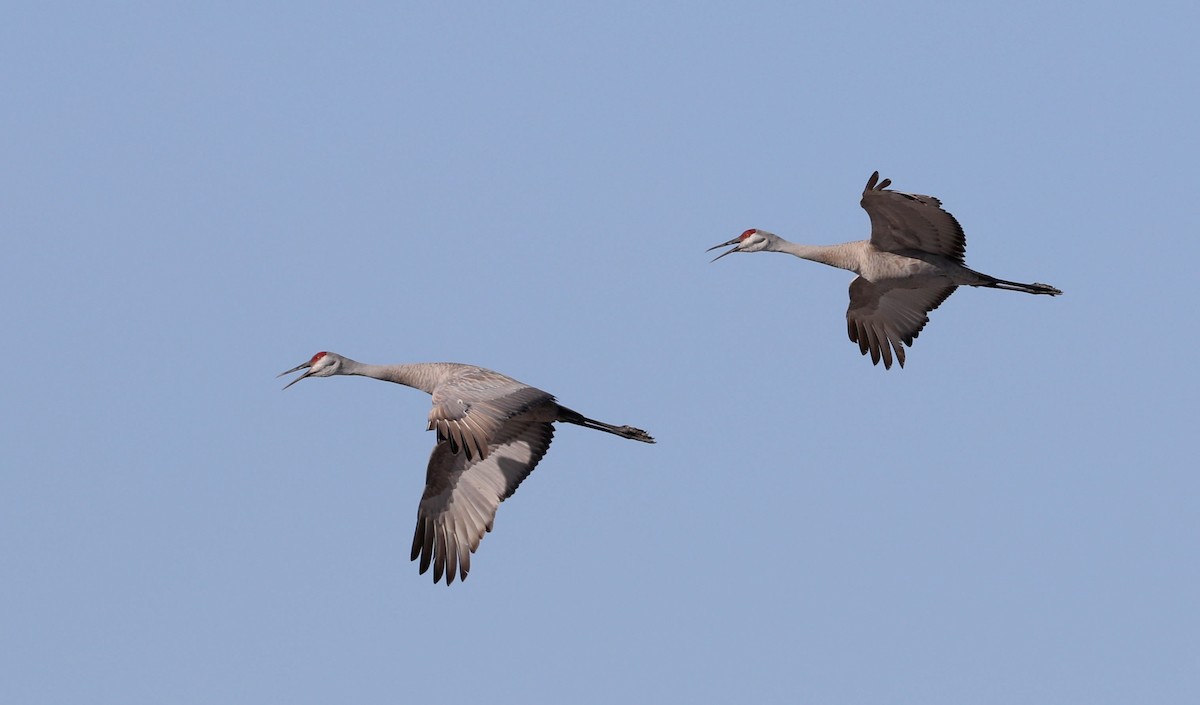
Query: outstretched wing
[469,411]
[910,221]
[462,494]
[882,318]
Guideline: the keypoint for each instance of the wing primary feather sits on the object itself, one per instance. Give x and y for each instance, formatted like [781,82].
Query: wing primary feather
[856,335]
[439,551]
[418,539]
[874,338]
[450,531]
[427,544]
[464,560]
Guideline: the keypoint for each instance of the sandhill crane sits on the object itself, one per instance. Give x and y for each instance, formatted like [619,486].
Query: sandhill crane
[911,264]
[491,432]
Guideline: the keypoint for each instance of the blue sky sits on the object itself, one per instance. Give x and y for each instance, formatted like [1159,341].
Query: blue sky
[196,197]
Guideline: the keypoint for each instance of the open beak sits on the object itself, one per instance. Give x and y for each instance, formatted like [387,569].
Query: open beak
[297,368]
[735,242]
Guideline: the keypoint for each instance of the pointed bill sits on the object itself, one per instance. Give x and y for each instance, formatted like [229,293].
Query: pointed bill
[297,368]
[735,242]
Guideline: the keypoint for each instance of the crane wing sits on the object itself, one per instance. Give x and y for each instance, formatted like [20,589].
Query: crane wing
[463,492]
[470,412]
[910,221]
[881,318]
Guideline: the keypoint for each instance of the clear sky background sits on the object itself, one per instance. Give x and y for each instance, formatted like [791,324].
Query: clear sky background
[194,197]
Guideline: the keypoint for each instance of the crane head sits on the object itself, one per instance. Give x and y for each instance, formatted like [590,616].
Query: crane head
[753,240]
[323,364]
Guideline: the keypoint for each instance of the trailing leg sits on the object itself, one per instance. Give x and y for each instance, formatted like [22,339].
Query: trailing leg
[572,416]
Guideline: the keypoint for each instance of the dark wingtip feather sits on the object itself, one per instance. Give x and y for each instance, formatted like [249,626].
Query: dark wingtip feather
[418,541]
[426,547]
[451,557]
[439,557]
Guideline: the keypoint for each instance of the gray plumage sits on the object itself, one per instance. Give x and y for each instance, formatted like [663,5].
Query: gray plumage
[491,432]
[913,262]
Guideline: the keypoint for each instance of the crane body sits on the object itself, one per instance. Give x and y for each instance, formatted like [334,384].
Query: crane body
[913,262]
[491,432]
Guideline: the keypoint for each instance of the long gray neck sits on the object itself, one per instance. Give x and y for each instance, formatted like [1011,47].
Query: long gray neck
[843,256]
[423,376]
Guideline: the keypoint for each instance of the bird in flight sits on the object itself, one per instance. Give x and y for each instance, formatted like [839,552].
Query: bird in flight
[491,432]
[912,263]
